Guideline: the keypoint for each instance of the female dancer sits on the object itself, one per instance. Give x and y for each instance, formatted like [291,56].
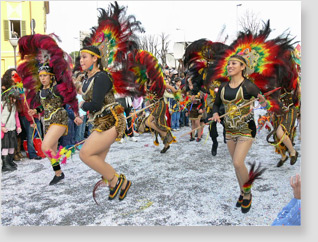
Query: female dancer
[284,129]
[239,124]
[47,76]
[55,117]
[196,111]
[108,119]
[107,48]
[157,120]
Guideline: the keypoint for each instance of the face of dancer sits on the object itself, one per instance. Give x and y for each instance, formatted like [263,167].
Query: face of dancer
[235,68]
[87,60]
[45,79]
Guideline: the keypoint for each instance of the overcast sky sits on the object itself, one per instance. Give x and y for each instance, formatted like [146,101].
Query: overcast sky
[194,19]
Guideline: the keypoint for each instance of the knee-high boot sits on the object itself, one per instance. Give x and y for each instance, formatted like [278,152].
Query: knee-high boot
[11,162]
[6,165]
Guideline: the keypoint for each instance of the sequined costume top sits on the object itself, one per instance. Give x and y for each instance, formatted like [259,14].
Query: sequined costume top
[152,97]
[52,105]
[240,121]
[100,102]
[287,100]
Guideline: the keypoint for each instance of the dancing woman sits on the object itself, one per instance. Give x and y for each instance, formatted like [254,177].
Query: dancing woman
[108,119]
[157,120]
[47,76]
[148,74]
[102,60]
[239,125]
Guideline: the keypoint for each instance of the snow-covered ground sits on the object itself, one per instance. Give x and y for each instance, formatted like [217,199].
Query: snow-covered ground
[184,187]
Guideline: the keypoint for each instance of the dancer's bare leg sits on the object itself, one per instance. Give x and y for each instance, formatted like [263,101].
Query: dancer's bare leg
[287,142]
[50,141]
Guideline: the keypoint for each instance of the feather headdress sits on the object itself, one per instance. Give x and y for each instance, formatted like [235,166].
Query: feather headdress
[38,51]
[115,37]
[146,70]
[198,57]
[269,62]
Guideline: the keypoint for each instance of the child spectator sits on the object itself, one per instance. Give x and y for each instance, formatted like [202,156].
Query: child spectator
[80,130]
[175,108]
[10,126]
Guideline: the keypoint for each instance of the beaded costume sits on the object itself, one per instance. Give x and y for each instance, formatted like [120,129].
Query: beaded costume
[111,113]
[52,105]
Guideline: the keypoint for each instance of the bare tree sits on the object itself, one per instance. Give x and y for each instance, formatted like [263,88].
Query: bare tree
[150,44]
[250,21]
[164,48]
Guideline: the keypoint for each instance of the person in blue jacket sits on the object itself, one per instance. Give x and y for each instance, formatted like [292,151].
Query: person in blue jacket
[290,215]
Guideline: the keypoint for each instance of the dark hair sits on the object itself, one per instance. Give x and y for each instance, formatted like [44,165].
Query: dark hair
[7,78]
[177,79]
[46,67]
[97,52]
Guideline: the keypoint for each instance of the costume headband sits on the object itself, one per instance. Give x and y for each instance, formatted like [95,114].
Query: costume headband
[237,59]
[91,52]
[46,73]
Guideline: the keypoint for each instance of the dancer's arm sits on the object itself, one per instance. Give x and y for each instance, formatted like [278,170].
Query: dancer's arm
[102,85]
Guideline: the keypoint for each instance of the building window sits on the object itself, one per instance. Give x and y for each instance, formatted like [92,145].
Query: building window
[14,29]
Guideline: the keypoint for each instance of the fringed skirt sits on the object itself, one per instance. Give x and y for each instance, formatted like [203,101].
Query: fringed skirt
[159,114]
[287,121]
[194,113]
[115,118]
[60,118]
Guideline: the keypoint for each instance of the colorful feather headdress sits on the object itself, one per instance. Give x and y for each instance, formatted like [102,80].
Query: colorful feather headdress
[198,56]
[115,37]
[146,70]
[269,62]
[41,51]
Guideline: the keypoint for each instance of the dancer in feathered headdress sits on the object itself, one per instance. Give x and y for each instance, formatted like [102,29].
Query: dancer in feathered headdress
[104,59]
[149,76]
[284,121]
[198,57]
[252,64]
[47,77]
[233,68]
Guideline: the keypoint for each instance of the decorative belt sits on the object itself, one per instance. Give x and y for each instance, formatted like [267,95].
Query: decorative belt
[106,110]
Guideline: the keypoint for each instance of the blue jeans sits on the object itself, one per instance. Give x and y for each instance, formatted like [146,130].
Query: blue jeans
[80,130]
[29,133]
[175,119]
[184,120]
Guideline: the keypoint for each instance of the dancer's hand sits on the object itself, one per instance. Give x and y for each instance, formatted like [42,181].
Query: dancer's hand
[32,112]
[295,183]
[262,100]
[216,118]
[4,129]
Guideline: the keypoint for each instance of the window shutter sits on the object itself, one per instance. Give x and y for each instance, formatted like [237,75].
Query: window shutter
[6,29]
[23,28]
